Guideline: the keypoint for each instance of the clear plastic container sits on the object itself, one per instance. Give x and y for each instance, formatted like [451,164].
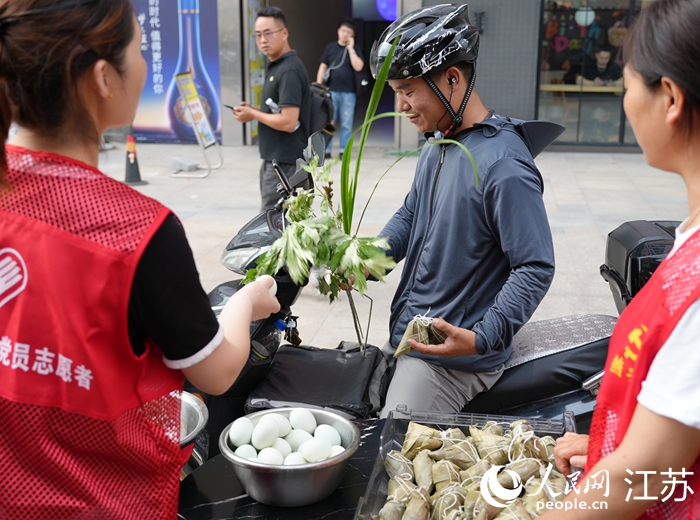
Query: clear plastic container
[395,430]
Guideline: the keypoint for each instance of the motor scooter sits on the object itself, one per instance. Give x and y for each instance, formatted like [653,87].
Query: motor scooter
[556,365]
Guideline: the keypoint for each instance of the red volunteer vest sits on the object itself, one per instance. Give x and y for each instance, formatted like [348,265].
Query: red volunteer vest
[89,430]
[642,329]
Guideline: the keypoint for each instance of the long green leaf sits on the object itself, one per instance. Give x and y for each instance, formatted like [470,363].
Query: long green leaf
[348,185]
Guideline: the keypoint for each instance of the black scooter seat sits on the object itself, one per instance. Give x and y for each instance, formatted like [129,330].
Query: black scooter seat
[550,357]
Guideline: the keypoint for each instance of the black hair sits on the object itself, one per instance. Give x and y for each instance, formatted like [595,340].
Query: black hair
[46,46]
[603,47]
[273,12]
[465,67]
[348,23]
[664,42]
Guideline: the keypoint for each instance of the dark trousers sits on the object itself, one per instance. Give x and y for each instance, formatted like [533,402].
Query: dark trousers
[269,181]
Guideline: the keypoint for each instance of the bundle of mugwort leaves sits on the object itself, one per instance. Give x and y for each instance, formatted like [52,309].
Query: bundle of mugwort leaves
[314,236]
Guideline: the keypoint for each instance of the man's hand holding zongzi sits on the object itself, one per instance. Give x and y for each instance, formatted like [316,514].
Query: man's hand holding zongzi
[459,342]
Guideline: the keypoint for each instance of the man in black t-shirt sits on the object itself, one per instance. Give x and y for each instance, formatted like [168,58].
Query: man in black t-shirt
[339,63]
[285,114]
[600,71]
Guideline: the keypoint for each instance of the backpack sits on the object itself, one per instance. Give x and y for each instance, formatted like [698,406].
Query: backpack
[321,109]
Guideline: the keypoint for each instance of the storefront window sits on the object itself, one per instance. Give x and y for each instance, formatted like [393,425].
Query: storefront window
[581,83]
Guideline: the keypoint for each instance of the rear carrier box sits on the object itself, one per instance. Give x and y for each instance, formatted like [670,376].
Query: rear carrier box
[633,252]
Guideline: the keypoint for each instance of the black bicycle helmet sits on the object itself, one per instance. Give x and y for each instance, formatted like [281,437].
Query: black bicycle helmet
[431,40]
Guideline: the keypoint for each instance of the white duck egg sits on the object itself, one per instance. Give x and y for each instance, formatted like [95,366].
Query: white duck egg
[296,437]
[270,456]
[328,432]
[316,449]
[265,434]
[246,451]
[302,419]
[273,288]
[344,432]
[294,458]
[270,417]
[336,450]
[282,422]
[301,446]
[240,431]
[283,447]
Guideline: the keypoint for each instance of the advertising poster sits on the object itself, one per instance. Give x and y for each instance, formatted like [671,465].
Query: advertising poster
[178,36]
[187,89]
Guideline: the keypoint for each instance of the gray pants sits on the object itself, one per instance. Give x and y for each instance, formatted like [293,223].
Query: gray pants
[430,388]
[269,181]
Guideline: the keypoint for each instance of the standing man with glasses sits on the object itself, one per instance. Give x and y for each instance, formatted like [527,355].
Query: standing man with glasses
[285,113]
[339,63]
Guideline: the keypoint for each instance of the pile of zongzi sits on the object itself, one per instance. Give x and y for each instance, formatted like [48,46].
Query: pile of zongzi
[437,475]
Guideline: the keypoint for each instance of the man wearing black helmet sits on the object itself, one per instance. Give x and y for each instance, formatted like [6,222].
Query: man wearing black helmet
[478,253]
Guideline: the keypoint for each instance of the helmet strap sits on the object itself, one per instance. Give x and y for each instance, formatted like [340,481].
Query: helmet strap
[457,118]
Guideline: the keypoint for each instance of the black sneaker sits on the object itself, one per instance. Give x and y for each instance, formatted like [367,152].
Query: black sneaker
[328,155]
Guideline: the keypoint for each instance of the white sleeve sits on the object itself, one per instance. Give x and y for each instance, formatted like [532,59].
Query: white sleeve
[199,356]
[672,386]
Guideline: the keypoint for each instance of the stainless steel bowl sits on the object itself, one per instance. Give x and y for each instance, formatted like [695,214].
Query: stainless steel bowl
[293,486]
[194,415]
[193,418]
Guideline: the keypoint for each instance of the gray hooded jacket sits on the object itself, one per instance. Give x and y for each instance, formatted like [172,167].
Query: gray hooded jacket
[480,257]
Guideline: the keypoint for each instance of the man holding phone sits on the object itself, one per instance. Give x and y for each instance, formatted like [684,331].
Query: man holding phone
[285,114]
[339,63]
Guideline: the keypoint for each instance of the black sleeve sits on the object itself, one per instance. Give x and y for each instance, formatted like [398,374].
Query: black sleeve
[168,303]
[291,89]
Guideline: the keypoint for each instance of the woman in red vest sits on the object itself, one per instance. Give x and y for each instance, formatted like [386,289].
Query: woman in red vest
[643,455]
[101,310]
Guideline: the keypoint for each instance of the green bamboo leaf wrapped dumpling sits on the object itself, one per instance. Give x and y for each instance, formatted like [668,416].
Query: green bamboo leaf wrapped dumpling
[398,466]
[419,437]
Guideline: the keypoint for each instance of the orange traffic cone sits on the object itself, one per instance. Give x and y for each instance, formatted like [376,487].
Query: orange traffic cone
[133,176]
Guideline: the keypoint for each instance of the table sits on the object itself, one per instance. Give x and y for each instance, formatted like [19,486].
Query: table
[606,89]
[212,491]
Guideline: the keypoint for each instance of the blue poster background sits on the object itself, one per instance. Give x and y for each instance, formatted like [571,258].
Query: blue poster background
[159,21]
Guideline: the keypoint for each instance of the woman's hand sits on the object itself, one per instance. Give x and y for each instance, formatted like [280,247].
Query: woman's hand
[261,296]
[571,450]
[459,342]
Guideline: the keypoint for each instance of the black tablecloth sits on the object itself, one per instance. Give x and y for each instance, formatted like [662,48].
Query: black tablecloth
[212,492]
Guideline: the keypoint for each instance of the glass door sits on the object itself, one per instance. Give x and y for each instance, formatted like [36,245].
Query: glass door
[580,78]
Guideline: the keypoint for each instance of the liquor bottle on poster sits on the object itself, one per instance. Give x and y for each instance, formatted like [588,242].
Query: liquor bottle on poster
[190,60]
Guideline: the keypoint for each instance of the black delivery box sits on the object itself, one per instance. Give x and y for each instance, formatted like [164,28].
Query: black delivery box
[633,252]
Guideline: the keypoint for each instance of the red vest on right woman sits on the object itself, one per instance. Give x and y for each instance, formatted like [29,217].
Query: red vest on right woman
[641,331]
